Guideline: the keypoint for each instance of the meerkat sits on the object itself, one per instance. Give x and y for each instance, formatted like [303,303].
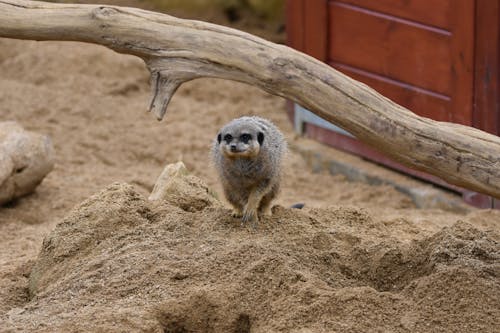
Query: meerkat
[247,154]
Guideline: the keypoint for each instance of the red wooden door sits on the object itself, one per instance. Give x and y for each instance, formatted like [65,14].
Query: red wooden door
[418,53]
[440,59]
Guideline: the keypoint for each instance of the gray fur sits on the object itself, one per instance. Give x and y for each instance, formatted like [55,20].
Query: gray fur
[257,174]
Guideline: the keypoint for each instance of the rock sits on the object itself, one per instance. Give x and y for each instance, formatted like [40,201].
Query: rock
[25,159]
[176,186]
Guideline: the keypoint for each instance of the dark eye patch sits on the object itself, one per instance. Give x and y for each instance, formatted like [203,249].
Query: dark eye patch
[228,137]
[260,138]
[245,137]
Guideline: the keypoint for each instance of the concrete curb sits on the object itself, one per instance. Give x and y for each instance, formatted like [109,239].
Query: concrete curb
[424,195]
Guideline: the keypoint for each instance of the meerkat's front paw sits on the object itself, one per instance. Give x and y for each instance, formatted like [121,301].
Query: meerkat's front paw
[250,216]
[236,213]
[263,212]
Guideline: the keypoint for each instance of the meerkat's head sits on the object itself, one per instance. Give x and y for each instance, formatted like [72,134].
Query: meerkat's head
[240,140]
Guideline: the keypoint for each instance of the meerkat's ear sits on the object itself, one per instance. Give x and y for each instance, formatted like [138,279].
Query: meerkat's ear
[219,138]
[260,138]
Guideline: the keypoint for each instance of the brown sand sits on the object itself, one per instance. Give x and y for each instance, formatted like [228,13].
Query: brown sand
[359,258]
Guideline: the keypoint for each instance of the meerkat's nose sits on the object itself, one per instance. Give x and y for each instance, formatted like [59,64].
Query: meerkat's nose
[233,147]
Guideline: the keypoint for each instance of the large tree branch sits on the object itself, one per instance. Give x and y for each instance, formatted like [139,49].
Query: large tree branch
[178,50]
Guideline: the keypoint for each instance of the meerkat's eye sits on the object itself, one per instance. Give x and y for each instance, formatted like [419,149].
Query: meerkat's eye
[245,137]
[228,137]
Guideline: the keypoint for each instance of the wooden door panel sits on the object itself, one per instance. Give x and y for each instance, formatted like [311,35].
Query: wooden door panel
[395,48]
[423,102]
[426,51]
[306,26]
[462,61]
[315,21]
[295,29]
[436,13]
[487,71]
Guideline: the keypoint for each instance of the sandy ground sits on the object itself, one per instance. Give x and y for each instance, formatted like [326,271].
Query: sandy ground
[358,258]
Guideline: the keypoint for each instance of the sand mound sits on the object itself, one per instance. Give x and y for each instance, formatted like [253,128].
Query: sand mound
[119,262]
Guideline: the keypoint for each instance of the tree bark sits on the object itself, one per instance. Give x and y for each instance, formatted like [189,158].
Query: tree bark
[177,51]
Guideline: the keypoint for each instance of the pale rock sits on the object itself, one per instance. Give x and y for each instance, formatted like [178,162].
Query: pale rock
[25,159]
[176,186]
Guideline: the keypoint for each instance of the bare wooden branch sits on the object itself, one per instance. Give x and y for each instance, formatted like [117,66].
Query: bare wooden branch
[177,50]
